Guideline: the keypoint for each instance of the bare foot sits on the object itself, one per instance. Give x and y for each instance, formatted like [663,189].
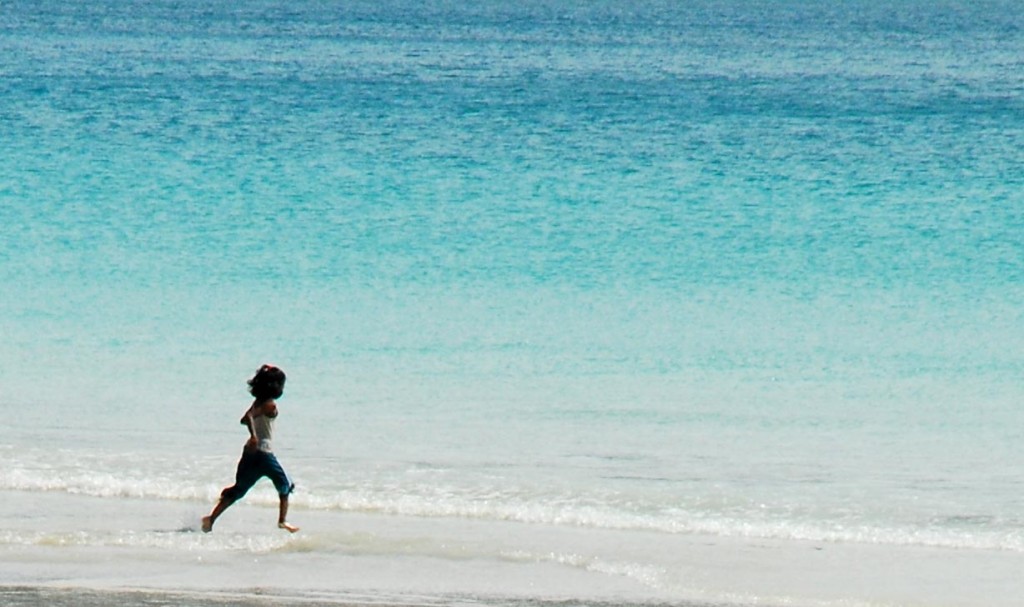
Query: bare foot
[207,524]
[289,527]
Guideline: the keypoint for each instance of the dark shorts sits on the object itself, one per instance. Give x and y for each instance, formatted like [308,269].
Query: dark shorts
[253,466]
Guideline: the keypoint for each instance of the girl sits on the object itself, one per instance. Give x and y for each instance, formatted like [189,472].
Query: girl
[257,457]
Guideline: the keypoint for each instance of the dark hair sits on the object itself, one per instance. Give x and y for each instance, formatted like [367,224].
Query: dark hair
[267,383]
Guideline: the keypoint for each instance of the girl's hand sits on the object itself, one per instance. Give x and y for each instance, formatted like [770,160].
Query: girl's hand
[251,444]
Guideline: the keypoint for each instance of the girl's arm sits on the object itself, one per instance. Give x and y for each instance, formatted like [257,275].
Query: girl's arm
[247,422]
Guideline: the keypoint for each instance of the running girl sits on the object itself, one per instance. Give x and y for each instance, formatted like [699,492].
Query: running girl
[258,459]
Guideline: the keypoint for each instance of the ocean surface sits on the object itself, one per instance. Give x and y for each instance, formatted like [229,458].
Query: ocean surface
[686,302]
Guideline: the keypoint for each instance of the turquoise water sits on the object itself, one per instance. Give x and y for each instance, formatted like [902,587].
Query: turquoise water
[752,270]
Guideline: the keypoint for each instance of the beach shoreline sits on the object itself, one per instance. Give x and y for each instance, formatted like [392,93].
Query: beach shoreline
[30,596]
[350,558]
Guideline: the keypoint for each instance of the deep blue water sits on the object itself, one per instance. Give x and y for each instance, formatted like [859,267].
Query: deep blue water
[677,145]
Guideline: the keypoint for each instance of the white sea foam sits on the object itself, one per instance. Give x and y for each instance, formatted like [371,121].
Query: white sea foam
[187,540]
[567,510]
[102,484]
[645,573]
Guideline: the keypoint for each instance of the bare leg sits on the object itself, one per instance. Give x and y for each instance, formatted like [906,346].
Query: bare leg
[283,516]
[219,509]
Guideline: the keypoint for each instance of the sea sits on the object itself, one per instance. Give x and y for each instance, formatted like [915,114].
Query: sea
[581,302]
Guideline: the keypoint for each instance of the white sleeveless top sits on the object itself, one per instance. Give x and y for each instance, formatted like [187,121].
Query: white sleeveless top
[263,427]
